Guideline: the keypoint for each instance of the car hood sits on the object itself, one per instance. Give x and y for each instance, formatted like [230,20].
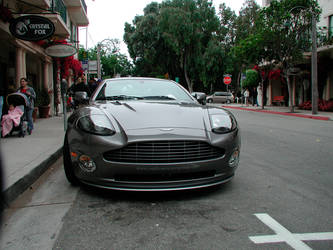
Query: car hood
[142,115]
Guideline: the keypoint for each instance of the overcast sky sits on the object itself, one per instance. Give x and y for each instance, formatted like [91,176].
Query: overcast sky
[107,18]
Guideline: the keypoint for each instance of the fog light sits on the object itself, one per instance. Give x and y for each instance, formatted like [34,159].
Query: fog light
[73,155]
[234,159]
[87,164]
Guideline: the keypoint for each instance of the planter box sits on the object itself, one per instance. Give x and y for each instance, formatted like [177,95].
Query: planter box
[44,111]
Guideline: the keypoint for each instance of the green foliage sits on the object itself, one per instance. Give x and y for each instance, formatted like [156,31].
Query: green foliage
[173,37]
[251,80]
[186,38]
[247,21]
[286,25]
[112,61]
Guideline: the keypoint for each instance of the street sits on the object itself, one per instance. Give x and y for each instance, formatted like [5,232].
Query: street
[282,191]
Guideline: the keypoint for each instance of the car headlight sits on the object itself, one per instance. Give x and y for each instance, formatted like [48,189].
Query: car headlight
[97,124]
[222,124]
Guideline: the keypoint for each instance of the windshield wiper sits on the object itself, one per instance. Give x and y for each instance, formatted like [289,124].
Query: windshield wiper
[159,97]
[122,97]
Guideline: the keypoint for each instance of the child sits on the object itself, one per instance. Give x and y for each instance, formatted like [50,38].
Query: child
[12,118]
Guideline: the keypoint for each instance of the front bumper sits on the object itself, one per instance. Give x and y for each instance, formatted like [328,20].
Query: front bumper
[151,176]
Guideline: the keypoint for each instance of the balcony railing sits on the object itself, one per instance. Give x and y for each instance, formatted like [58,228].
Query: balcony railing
[59,6]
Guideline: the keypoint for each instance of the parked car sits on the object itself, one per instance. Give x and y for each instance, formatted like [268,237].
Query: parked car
[149,134]
[220,97]
[200,96]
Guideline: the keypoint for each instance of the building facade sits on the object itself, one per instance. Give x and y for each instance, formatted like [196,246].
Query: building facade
[22,58]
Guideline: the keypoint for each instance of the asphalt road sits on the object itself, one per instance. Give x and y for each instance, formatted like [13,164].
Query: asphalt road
[283,187]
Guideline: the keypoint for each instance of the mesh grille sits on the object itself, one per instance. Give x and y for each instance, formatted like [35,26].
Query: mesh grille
[164,152]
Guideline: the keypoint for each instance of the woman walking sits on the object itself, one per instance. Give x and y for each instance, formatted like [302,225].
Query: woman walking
[30,93]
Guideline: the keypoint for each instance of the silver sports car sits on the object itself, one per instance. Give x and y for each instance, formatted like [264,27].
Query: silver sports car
[149,134]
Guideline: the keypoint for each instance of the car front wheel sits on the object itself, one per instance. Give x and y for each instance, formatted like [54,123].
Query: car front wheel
[209,100]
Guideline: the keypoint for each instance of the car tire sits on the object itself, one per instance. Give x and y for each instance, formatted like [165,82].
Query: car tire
[68,165]
[228,101]
[209,100]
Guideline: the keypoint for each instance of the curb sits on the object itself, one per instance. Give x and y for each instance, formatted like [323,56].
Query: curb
[12,192]
[323,118]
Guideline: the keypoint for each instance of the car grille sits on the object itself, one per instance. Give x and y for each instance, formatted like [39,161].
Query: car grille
[164,152]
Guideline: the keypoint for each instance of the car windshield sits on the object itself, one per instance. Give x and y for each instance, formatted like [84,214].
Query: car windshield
[142,89]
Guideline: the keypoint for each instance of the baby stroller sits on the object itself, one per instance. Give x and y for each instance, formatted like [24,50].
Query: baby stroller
[21,101]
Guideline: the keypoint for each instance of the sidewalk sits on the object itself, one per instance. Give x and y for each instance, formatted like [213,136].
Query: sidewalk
[282,110]
[26,159]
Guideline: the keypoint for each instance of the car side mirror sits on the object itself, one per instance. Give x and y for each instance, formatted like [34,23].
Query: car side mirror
[200,98]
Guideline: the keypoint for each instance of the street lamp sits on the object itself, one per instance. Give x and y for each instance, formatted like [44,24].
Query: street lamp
[314,66]
[99,47]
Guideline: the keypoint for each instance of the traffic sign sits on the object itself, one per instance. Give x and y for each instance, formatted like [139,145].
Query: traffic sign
[227,80]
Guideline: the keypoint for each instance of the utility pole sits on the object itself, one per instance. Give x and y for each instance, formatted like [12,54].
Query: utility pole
[99,61]
[87,71]
[314,66]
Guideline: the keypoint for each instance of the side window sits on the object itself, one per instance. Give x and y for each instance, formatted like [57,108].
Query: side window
[330,26]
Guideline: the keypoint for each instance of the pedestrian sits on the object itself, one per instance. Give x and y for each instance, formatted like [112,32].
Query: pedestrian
[31,94]
[79,86]
[254,97]
[259,98]
[92,85]
[239,96]
[246,96]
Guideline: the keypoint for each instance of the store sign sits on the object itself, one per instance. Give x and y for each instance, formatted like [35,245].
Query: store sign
[60,50]
[31,28]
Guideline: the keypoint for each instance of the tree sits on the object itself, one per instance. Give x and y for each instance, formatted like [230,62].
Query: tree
[247,21]
[286,27]
[251,79]
[187,28]
[144,43]
[242,30]
[173,37]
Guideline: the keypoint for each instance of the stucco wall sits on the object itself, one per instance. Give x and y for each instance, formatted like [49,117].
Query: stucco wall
[327,10]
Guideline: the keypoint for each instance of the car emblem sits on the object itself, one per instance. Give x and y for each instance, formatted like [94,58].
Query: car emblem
[166,129]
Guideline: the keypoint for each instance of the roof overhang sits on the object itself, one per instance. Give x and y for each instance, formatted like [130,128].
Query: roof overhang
[323,51]
[44,3]
[77,10]
[78,15]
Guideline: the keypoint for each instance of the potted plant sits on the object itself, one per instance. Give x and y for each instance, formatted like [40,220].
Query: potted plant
[43,102]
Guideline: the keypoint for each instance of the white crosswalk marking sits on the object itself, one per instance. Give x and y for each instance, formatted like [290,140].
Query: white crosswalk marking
[283,235]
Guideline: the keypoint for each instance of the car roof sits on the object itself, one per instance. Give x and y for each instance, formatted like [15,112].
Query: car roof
[139,78]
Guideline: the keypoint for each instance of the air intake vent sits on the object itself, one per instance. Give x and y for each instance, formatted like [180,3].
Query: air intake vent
[164,152]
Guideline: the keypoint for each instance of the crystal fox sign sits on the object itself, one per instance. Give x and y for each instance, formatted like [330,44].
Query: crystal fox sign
[31,28]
